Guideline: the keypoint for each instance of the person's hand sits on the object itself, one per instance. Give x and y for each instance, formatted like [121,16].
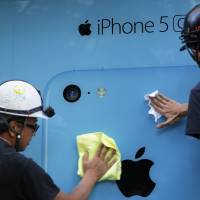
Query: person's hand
[100,163]
[169,108]
[94,169]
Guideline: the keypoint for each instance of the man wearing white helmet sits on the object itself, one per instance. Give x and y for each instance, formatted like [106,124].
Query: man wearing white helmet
[20,177]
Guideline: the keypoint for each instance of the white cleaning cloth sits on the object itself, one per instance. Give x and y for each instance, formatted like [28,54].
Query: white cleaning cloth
[152,111]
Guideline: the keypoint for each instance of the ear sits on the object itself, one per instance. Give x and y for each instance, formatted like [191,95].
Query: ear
[14,128]
[11,133]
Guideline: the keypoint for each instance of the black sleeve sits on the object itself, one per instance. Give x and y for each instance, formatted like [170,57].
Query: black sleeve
[193,116]
[37,184]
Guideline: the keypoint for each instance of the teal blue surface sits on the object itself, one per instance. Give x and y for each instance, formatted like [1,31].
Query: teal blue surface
[122,114]
[40,43]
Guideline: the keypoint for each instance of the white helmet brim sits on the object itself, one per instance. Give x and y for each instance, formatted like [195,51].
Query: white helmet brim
[39,114]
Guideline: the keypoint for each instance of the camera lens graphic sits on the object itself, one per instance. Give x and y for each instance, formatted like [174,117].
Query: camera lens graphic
[72,93]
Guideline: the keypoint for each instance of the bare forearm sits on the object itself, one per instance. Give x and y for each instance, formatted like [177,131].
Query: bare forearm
[94,169]
[81,191]
[84,188]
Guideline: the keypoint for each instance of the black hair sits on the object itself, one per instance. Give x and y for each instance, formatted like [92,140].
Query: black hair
[5,119]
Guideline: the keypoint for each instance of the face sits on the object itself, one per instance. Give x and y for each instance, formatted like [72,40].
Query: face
[28,131]
[195,54]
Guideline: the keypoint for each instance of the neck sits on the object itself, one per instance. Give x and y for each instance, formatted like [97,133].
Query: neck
[5,140]
[6,136]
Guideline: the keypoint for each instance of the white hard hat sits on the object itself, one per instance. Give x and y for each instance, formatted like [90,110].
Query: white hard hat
[22,99]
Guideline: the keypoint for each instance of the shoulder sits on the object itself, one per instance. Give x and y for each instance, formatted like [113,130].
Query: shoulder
[34,167]
[196,87]
[35,173]
[15,160]
[22,163]
[37,183]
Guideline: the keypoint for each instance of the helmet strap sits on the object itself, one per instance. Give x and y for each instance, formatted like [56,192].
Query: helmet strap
[18,138]
[194,55]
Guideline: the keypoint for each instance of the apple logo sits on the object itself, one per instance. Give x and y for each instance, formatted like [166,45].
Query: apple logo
[84,29]
[135,178]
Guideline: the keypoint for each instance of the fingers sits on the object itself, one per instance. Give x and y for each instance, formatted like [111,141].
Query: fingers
[160,100]
[106,154]
[103,152]
[158,107]
[100,148]
[169,121]
[110,154]
[85,156]
[110,158]
[161,104]
[112,163]
[164,98]
[162,125]
[157,102]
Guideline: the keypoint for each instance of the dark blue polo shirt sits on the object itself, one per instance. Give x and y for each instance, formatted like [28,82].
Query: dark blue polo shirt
[21,178]
[193,117]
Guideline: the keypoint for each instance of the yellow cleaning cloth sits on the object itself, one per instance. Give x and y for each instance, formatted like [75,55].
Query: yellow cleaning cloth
[90,142]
